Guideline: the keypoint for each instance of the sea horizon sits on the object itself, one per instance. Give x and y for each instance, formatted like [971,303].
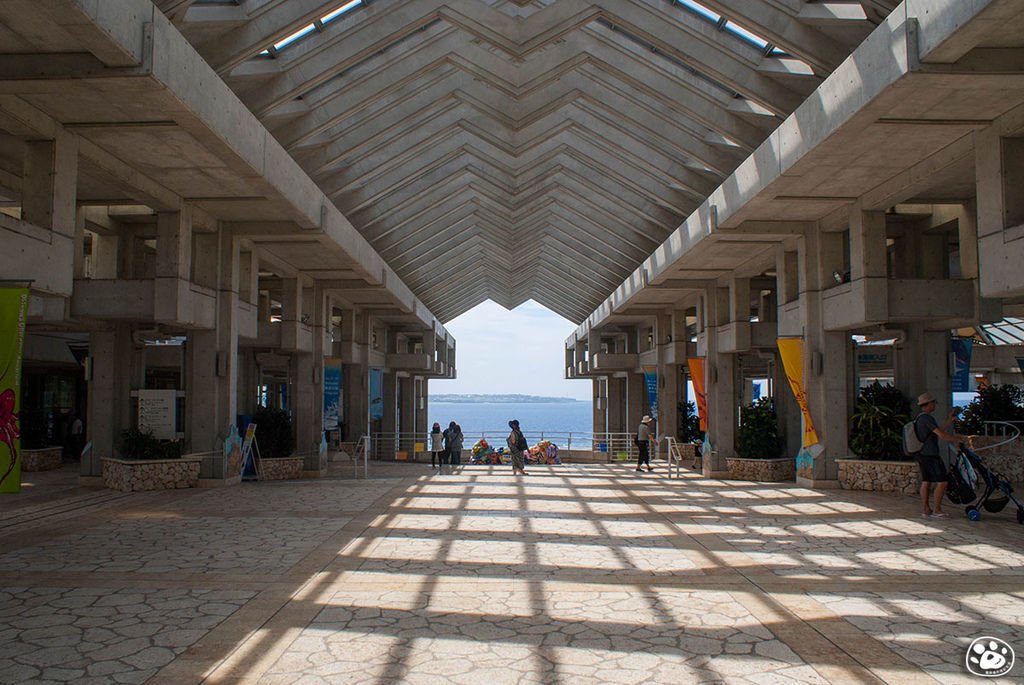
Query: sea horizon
[550,420]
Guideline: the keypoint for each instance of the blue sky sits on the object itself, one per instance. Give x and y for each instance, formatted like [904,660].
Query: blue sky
[520,351]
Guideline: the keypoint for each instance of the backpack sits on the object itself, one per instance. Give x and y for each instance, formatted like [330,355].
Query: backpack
[521,443]
[912,444]
[636,439]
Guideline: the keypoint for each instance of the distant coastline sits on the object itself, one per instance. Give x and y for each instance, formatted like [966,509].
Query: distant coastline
[500,399]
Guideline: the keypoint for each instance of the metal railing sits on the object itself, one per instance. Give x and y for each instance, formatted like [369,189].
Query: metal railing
[1009,430]
[612,446]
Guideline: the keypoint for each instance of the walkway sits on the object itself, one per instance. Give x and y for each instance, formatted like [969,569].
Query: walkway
[576,574]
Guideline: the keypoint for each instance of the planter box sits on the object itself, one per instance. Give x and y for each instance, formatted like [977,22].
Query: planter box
[879,476]
[1007,459]
[282,468]
[44,459]
[762,470]
[132,475]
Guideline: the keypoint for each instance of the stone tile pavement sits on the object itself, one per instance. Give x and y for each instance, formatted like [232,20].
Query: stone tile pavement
[574,574]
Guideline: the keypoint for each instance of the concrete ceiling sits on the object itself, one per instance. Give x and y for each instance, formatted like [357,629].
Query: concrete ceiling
[515,150]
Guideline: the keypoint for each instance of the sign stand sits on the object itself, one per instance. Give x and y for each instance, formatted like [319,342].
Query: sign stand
[251,455]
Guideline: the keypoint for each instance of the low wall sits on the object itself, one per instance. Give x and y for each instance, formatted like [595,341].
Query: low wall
[282,468]
[1007,460]
[879,476]
[43,459]
[132,475]
[764,470]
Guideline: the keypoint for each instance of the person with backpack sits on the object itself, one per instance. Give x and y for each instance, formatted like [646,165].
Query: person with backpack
[516,442]
[927,431]
[643,444]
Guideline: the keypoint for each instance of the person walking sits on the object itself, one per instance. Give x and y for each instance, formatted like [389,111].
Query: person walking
[516,442]
[436,447]
[929,459]
[643,444]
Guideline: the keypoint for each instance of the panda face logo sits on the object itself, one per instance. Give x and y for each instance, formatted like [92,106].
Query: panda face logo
[989,657]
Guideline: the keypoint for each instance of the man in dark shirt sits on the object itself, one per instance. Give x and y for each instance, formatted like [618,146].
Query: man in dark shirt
[929,459]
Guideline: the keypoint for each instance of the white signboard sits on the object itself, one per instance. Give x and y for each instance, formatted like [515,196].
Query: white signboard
[158,412]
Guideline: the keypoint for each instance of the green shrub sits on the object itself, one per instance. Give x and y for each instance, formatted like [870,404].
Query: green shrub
[758,436]
[274,434]
[993,403]
[876,427]
[689,424]
[137,444]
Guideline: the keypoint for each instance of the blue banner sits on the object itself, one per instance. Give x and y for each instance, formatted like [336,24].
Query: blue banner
[651,381]
[332,393]
[963,380]
[376,394]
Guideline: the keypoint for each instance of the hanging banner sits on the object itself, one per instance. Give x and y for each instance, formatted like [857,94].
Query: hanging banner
[651,382]
[696,365]
[963,381]
[792,352]
[332,393]
[13,308]
[376,398]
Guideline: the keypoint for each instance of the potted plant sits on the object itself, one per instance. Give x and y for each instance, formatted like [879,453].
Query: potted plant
[276,441]
[758,446]
[876,438]
[148,463]
[877,422]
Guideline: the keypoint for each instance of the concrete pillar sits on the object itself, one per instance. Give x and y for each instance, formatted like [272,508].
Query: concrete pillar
[111,363]
[389,423]
[173,264]
[421,406]
[827,367]
[636,397]
[717,308]
[407,411]
[617,404]
[599,406]
[922,365]
[50,184]
[868,252]
[356,378]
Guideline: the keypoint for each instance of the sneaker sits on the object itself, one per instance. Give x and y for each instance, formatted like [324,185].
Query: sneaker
[649,469]
[939,515]
[927,515]
[639,470]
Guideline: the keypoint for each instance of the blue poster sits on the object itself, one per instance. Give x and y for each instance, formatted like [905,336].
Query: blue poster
[376,394]
[963,381]
[651,381]
[332,393]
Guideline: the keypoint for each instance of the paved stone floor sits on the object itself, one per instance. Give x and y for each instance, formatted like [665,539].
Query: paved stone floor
[574,574]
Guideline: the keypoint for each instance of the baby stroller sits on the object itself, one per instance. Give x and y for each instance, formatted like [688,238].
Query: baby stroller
[967,472]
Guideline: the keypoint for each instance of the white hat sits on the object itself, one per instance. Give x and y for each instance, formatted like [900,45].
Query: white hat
[646,419]
[924,398]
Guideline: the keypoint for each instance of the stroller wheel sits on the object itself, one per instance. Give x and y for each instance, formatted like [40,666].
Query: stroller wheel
[973,514]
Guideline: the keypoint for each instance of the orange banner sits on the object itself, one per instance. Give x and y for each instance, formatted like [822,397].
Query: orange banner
[792,352]
[696,365]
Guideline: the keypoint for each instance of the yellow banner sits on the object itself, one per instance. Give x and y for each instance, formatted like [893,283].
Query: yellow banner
[792,352]
[696,365]
[13,308]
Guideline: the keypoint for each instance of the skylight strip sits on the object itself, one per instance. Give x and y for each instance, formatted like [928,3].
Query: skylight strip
[347,7]
[304,31]
[701,10]
[737,30]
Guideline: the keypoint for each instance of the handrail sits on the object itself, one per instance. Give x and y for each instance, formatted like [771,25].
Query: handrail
[608,443]
[1012,425]
[364,445]
[674,456]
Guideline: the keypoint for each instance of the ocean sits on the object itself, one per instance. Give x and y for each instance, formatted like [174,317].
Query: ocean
[491,419]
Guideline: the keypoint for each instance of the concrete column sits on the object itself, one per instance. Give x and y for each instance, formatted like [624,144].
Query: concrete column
[356,412]
[922,365]
[421,406]
[599,405]
[50,184]
[48,200]
[668,402]
[636,393]
[109,391]
[617,404]
[389,424]
[827,367]
[868,255]
[717,309]
[407,410]
[787,275]
[173,264]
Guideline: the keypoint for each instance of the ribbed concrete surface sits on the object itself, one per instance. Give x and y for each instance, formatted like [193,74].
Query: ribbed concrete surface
[575,574]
